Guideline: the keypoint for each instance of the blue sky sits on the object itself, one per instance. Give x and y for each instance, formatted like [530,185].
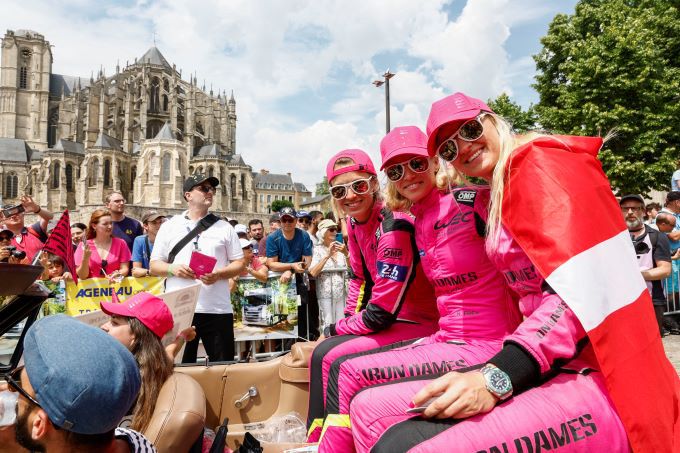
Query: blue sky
[301,71]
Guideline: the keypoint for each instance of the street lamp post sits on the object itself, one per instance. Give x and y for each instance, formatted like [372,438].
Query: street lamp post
[378,83]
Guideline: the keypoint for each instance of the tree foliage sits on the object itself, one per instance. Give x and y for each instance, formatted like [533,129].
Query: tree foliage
[277,205]
[521,120]
[614,65]
[322,187]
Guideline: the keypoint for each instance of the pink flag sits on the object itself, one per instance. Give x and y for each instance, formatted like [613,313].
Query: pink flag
[559,206]
[59,243]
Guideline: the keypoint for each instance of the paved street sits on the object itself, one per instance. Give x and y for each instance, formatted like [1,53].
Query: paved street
[672,345]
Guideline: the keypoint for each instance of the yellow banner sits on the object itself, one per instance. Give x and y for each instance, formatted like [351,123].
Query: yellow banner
[87,294]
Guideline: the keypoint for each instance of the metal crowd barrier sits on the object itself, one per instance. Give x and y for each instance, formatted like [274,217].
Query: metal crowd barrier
[671,285]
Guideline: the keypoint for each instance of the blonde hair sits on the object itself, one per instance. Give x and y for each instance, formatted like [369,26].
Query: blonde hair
[445,178]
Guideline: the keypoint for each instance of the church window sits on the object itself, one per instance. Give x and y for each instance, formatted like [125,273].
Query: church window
[211,171]
[154,98]
[11,185]
[69,178]
[243,186]
[199,170]
[24,64]
[107,173]
[133,176]
[94,173]
[56,175]
[165,167]
[165,103]
[166,85]
[232,185]
[191,170]
[153,127]
[224,187]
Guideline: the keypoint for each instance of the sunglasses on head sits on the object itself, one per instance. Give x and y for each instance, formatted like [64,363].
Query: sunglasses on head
[358,186]
[470,131]
[205,189]
[13,380]
[418,164]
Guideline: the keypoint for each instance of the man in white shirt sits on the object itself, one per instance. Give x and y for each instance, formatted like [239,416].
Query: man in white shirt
[213,319]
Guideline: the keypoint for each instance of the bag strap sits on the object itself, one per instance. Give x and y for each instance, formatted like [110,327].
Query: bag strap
[205,223]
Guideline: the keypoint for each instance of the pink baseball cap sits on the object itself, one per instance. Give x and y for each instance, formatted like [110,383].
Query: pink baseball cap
[149,309]
[457,107]
[361,163]
[403,141]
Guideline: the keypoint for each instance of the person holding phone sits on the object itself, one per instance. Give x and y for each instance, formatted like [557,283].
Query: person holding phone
[29,239]
[100,254]
[330,256]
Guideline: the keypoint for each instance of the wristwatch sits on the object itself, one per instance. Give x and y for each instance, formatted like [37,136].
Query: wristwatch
[497,381]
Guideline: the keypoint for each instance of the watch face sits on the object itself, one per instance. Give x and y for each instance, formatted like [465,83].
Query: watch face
[500,382]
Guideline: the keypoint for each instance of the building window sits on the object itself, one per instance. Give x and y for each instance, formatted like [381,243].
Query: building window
[69,178]
[94,172]
[261,198]
[243,186]
[11,185]
[23,77]
[290,198]
[276,197]
[165,167]
[233,185]
[269,198]
[211,171]
[56,170]
[107,173]
[154,98]
[133,176]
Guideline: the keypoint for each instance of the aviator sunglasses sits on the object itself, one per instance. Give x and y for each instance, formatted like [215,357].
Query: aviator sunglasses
[470,131]
[418,164]
[358,186]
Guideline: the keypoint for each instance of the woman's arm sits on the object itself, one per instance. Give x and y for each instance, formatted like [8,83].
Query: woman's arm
[184,336]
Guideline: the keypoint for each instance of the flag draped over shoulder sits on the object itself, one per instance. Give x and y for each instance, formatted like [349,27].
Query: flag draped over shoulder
[558,205]
[59,243]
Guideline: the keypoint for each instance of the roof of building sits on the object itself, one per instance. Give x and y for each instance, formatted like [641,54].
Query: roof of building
[106,141]
[299,187]
[15,150]
[59,82]
[272,178]
[236,159]
[69,146]
[165,133]
[314,200]
[154,56]
[208,150]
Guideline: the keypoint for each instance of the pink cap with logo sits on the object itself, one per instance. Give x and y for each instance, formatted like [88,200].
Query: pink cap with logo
[362,162]
[149,309]
[457,107]
[403,141]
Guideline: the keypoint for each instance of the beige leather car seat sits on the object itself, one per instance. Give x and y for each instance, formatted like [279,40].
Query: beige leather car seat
[179,416]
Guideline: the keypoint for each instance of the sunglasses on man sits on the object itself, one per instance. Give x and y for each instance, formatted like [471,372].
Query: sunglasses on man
[13,380]
[358,186]
[418,164]
[470,131]
[205,189]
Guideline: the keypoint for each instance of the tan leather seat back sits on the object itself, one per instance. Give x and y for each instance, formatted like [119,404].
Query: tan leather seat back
[295,366]
[179,416]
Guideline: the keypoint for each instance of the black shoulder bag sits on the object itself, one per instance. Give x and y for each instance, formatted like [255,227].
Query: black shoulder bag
[205,223]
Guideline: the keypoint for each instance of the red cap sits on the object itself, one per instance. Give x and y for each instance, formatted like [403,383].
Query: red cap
[361,163]
[403,141]
[457,107]
[149,309]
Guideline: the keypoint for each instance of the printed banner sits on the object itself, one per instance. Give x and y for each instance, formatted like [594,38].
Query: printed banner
[86,295]
[182,304]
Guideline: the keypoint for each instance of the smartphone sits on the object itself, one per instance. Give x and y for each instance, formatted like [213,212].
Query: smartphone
[420,409]
[338,237]
[9,211]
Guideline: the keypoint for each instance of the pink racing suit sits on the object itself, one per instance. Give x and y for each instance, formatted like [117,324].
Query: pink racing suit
[389,300]
[571,411]
[476,308]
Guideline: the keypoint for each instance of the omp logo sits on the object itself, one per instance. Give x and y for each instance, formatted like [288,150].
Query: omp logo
[392,253]
[465,195]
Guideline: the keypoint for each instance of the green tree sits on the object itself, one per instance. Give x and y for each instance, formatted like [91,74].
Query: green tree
[322,187]
[521,120]
[277,205]
[613,65]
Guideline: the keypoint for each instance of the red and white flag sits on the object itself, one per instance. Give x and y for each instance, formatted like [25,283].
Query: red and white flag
[59,243]
[559,206]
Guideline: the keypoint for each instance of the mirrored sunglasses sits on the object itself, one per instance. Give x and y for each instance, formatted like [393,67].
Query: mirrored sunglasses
[470,131]
[358,186]
[418,164]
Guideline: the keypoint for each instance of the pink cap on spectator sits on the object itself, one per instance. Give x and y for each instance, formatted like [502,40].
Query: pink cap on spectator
[403,141]
[149,309]
[457,107]
[361,163]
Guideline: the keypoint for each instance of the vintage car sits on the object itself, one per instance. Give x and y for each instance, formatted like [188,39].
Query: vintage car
[249,394]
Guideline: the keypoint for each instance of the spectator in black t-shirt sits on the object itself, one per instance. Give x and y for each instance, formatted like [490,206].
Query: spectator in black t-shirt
[125,228]
[653,251]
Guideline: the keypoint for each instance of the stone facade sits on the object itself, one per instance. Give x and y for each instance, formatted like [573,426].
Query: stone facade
[270,187]
[69,142]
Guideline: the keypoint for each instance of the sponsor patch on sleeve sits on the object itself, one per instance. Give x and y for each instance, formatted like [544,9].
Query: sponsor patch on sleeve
[466,197]
[392,271]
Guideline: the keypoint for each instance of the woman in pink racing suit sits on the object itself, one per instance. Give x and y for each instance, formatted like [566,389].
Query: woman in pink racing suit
[389,300]
[541,391]
[476,308]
